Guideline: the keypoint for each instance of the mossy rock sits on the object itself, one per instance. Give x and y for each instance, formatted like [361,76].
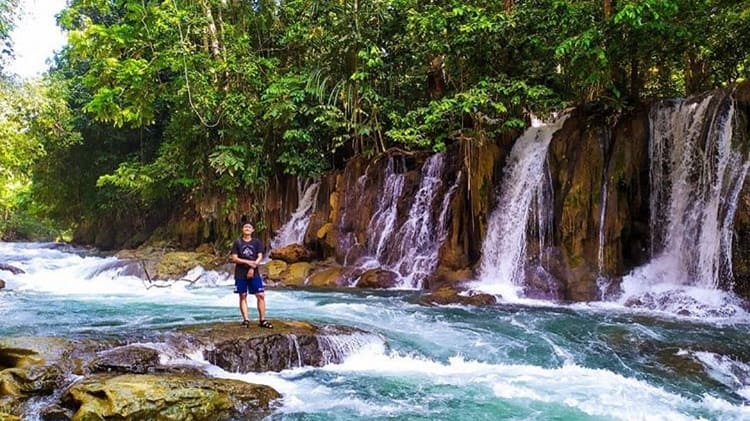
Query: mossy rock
[296,274]
[167,397]
[274,269]
[292,253]
[176,264]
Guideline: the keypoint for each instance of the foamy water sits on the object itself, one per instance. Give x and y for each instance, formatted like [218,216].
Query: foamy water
[421,362]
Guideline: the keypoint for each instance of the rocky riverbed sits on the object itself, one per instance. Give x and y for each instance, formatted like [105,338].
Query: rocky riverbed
[157,377]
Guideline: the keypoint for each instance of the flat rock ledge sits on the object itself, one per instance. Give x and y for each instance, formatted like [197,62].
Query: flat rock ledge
[114,379]
[289,344]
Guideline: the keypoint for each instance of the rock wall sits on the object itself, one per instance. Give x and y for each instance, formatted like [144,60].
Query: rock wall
[741,237]
[593,149]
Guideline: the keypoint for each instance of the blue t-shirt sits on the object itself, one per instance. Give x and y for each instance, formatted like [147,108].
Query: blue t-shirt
[247,250]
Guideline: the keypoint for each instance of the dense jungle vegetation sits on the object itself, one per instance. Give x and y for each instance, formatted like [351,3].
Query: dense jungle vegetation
[162,104]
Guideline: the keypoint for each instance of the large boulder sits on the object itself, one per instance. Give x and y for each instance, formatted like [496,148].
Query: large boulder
[296,274]
[334,277]
[378,278]
[162,264]
[289,344]
[166,397]
[273,269]
[292,253]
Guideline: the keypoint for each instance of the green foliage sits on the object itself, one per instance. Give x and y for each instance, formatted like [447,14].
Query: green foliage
[8,11]
[173,101]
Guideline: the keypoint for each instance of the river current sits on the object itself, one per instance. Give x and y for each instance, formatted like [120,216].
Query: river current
[514,361]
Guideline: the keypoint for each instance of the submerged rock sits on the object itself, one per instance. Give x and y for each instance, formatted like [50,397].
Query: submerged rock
[12,269]
[449,295]
[167,397]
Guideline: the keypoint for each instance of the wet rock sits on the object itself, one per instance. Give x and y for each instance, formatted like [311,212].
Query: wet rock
[136,359]
[162,264]
[289,344]
[292,253]
[167,397]
[177,264]
[10,268]
[55,412]
[296,274]
[378,278]
[31,367]
[449,295]
[540,284]
[273,269]
[2,284]
[334,277]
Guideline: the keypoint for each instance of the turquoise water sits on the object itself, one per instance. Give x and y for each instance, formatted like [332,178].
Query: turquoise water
[542,362]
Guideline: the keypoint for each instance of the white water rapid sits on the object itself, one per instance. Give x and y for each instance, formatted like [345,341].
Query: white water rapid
[411,361]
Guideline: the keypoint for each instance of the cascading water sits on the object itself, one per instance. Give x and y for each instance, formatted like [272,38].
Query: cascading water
[504,249]
[411,249]
[293,231]
[383,221]
[418,240]
[697,173]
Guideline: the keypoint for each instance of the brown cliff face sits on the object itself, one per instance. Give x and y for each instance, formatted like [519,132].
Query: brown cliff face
[593,152]
[741,237]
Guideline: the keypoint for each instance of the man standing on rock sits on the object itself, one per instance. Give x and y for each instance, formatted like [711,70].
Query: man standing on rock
[247,252]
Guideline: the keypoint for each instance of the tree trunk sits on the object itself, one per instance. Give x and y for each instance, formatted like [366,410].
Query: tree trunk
[212,31]
[695,74]
[508,5]
[607,9]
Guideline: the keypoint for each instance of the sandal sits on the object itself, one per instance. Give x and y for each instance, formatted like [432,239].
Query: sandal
[266,324]
[246,323]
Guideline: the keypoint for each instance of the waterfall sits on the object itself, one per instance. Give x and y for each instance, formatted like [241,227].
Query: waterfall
[383,221]
[410,249]
[504,248]
[293,231]
[696,178]
[419,238]
[603,203]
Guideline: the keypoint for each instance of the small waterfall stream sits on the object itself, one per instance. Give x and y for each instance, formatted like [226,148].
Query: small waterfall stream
[383,221]
[697,173]
[419,238]
[410,249]
[293,231]
[504,248]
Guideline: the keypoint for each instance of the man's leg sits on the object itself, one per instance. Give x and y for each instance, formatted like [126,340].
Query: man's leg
[243,306]
[260,298]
